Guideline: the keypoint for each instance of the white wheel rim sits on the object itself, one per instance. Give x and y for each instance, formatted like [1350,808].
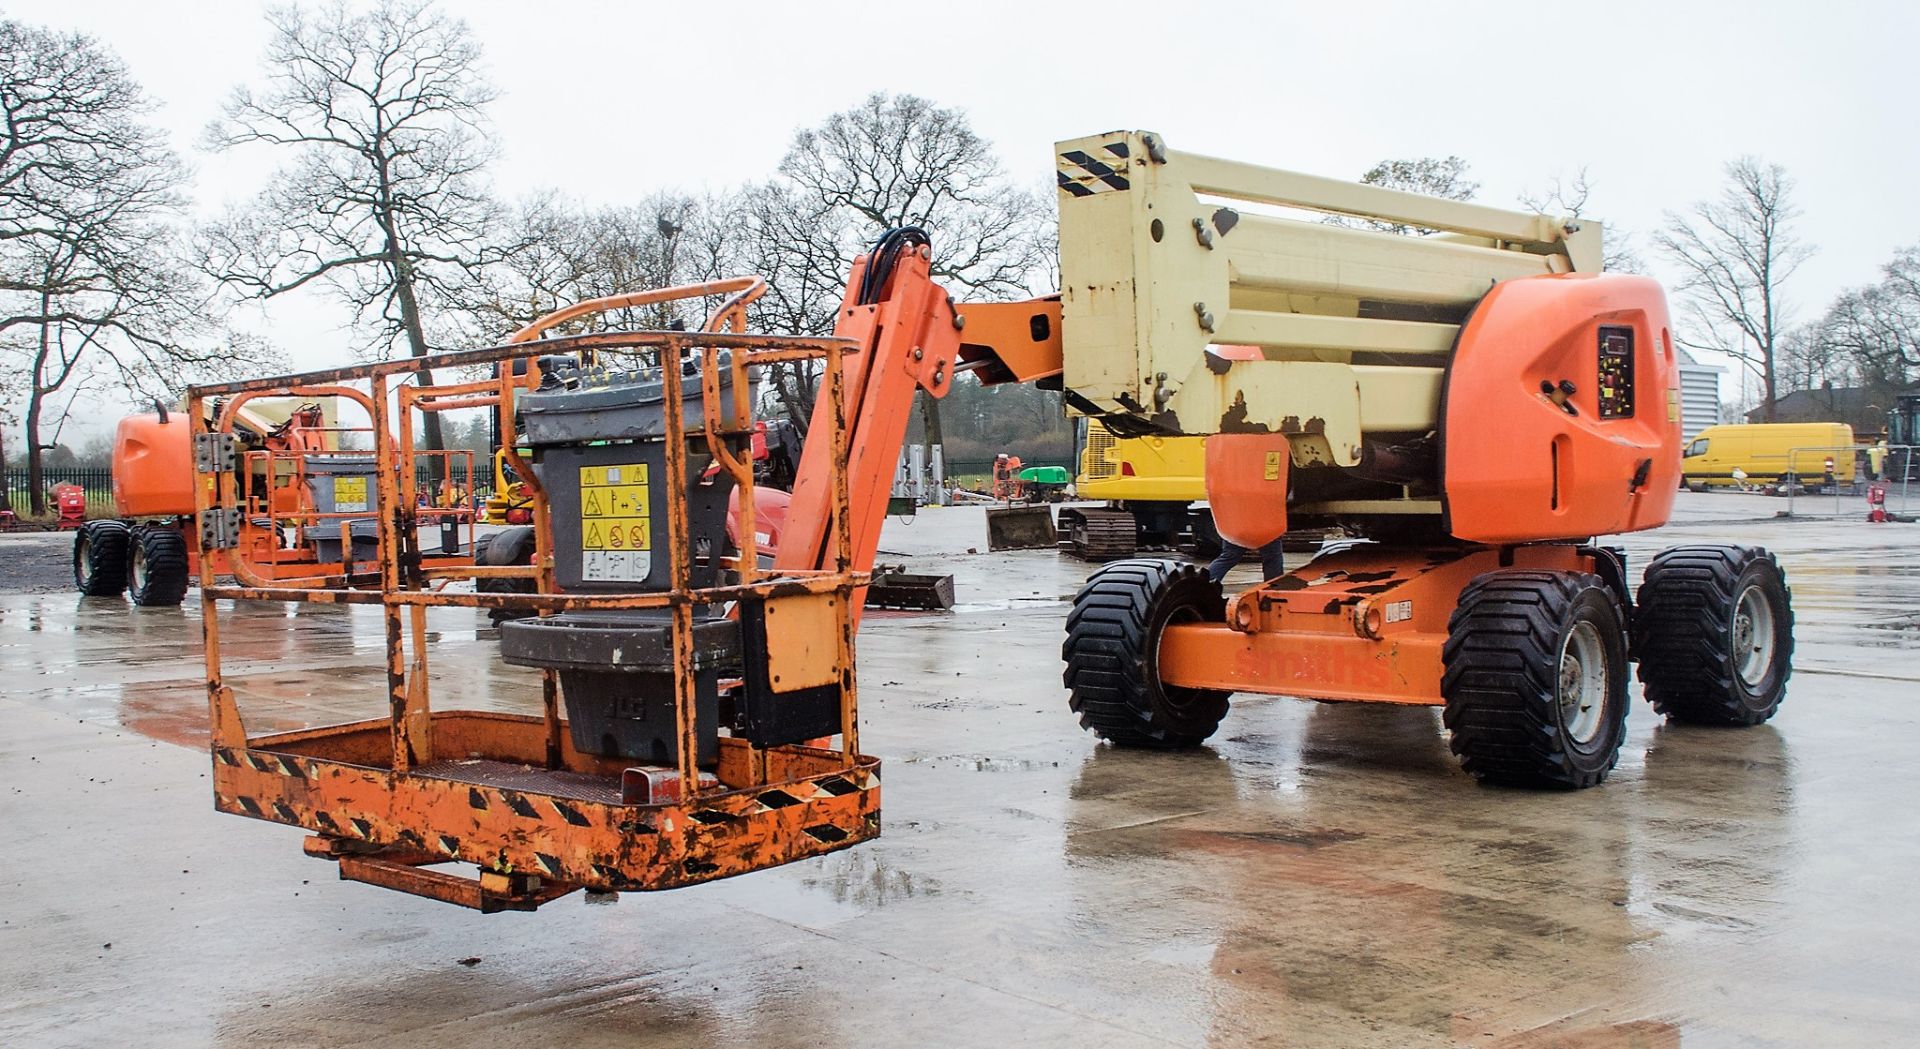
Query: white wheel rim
[139,573]
[1583,682]
[1753,639]
[85,559]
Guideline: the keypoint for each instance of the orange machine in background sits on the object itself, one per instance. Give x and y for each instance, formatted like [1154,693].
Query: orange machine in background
[307,506]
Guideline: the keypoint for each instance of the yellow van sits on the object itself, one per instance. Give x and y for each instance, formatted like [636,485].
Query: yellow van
[1767,453]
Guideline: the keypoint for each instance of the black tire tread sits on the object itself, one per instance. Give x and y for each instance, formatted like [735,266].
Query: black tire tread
[107,545]
[1109,652]
[1500,680]
[165,553]
[1683,627]
[509,546]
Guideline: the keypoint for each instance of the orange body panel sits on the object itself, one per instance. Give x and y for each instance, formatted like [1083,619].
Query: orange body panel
[1520,467]
[1364,624]
[1012,341]
[153,466]
[1247,486]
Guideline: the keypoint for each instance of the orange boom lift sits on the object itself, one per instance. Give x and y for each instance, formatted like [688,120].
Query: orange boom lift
[1477,404]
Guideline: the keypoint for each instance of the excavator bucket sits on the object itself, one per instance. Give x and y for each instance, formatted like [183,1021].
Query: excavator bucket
[1020,528]
[894,587]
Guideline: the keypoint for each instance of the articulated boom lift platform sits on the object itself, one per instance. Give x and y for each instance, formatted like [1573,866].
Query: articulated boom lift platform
[724,740]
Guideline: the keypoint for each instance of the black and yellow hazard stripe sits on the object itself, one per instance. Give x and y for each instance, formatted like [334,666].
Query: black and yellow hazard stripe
[1082,174]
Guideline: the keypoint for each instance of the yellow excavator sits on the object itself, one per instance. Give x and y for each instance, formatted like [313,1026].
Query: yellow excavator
[1154,488]
[511,501]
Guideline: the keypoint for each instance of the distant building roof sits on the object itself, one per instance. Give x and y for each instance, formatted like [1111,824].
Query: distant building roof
[1859,407]
[1689,359]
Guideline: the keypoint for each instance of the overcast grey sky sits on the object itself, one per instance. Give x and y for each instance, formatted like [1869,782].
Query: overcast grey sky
[607,101]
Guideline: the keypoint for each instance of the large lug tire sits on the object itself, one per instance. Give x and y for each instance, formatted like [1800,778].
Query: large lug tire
[100,558]
[1112,653]
[1714,634]
[1536,679]
[509,546]
[157,567]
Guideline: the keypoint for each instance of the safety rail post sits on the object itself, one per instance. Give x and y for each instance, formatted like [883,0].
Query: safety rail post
[835,380]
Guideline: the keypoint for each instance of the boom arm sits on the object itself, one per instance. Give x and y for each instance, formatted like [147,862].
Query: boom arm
[906,337]
[1483,376]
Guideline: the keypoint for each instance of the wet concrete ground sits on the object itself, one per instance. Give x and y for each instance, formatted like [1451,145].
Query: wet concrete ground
[1319,875]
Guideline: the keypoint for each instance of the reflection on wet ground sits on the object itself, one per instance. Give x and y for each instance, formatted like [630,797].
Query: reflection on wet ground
[1320,874]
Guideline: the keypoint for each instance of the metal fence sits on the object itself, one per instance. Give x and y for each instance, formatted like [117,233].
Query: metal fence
[97,481]
[1811,493]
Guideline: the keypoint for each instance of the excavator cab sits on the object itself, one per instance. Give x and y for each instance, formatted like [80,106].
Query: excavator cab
[1903,440]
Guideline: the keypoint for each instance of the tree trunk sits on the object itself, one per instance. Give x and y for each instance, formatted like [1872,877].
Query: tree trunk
[403,289]
[36,398]
[930,435]
[794,387]
[36,489]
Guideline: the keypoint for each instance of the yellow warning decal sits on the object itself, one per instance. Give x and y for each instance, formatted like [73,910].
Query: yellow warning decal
[1273,466]
[349,495]
[613,509]
[615,533]
[604,476]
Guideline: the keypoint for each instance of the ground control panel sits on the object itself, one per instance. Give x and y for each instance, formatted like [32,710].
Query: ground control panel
[599,443]
[1616,372]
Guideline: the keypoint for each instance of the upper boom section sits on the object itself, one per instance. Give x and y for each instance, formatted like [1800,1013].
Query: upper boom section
[1160,258]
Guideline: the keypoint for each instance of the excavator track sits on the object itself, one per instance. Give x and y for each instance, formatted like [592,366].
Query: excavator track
[1105,535]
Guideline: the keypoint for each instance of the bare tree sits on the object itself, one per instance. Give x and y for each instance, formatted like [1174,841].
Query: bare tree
[797,244]
[1434,176]
[1876,329]
[567,254]
[383,201]
[898,160]
[901,160]
[1810,360]
[91,278]
[1735,255]
[1568,196]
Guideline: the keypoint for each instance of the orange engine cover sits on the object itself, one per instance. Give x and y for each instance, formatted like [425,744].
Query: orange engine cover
[1561,414]
[153,466]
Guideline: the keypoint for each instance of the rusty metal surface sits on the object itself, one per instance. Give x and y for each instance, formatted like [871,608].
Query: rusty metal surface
[537,821]
[510,795]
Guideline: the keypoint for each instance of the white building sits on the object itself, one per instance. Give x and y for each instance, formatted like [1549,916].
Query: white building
[1699,395]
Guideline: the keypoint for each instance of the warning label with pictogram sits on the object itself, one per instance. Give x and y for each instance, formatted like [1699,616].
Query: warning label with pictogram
[615,540]
[349,495]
